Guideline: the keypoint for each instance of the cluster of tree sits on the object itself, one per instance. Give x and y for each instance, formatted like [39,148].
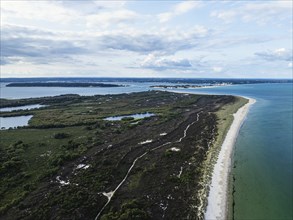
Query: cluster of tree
[61,135]
[11,161]
[129,210]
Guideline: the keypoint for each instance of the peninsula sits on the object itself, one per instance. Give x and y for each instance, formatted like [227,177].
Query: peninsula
[60,84]
[72,161]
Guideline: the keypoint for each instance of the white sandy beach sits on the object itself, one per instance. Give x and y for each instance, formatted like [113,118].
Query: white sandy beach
[217,199]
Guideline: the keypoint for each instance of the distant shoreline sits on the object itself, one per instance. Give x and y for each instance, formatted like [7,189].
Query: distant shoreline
[217,207]
[61,84]
[190,86]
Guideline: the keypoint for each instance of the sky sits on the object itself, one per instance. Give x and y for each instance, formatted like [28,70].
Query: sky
[184,39]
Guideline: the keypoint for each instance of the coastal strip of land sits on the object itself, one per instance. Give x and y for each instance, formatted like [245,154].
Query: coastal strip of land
[217,198]
[61,84]
[190,86]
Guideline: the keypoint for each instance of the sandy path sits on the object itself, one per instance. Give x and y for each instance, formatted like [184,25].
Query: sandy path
[217,199]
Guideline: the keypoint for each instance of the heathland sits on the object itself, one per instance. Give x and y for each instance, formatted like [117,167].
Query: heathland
[71,163]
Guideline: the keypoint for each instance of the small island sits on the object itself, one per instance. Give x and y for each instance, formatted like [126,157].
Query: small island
[61,84]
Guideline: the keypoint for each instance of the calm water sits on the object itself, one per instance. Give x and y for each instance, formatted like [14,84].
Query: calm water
[25,107]
[264,157]
[33,92]
[135,116]
[13,122]
[263,153]
[263,150]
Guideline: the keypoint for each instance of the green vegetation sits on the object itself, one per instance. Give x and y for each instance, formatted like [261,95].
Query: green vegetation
[60,165]
[225,118]
[130,210]
[36,155]
[61,135]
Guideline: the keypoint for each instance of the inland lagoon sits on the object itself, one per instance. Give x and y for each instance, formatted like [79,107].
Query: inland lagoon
[26,107]
[134,116]
[14,122]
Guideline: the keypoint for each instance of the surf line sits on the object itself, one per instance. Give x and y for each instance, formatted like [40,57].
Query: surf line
[110,194]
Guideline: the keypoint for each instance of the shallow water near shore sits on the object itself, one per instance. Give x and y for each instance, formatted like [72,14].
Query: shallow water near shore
[263,159]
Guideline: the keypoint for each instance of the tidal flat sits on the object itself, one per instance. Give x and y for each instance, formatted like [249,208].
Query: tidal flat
[70,163]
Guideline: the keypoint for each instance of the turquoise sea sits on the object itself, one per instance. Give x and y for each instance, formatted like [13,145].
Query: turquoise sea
[263,156]
[263,150]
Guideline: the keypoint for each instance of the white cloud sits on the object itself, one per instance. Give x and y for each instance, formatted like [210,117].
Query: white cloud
[166,41]
[280,54]
[267,12]
[226,16]
[186,6]
[164,17]
[105,19]
[35,45]
[67,36]
[178,9]
[36,10]
[110,4]
[198,65]
[280,51]
[273,5]
[163,63]
[217,69]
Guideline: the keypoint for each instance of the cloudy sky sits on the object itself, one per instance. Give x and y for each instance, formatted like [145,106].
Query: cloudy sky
[248,39]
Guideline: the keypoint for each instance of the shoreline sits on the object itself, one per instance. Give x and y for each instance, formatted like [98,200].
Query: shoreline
[217,197]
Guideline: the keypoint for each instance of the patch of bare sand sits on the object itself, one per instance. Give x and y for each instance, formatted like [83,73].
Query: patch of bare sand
[217,199]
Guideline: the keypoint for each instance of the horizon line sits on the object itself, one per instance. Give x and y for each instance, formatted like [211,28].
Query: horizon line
[129,77]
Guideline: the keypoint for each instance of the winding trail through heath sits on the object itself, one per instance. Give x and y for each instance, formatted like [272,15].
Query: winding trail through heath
[109,195]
